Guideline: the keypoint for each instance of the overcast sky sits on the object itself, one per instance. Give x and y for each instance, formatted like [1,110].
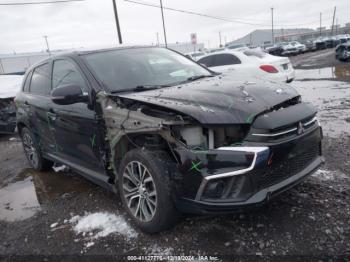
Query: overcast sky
[91,24]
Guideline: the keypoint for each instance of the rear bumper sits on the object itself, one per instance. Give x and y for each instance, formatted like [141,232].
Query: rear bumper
[258,199]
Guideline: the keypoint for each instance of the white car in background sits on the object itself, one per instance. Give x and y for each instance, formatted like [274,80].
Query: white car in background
[195,55]
[250,63]
[300,47]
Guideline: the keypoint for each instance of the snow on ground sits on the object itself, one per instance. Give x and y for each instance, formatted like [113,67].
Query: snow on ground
[158,250]
[102,224]
[325,175]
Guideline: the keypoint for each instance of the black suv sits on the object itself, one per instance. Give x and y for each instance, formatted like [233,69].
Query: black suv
[165,132]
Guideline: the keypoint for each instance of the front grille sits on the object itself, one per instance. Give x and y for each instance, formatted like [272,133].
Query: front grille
[287,167]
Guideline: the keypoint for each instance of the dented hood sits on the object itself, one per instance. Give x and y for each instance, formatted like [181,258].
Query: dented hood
[218,100]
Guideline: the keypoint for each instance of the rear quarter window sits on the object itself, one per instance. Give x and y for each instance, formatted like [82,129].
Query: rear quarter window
[207,61]
[226,59]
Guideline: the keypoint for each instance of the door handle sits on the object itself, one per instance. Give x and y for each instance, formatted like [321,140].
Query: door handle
[51,115]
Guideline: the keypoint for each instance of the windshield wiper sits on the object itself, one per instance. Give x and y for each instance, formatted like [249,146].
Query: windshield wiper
[194,78]
[148,87]
[140,88]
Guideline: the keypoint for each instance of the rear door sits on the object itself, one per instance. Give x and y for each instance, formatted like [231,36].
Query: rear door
[76,128]
[36,102]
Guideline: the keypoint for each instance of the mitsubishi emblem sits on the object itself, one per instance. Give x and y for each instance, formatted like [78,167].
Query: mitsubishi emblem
[300,129]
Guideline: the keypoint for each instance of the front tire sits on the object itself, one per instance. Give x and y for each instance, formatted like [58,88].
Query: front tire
[32,151]
[145,190]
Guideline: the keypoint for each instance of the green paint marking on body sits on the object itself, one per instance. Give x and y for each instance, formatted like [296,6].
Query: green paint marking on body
[93,141]
[250,118]
[195,166]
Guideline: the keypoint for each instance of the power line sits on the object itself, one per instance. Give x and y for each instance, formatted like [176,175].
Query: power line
[213,17]
[42,2]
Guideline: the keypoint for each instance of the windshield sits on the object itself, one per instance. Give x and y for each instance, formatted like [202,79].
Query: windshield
[131,68]
[197,54]
[236,46]
[256,53]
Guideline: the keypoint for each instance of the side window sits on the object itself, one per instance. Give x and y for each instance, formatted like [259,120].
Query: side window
[207,61]
[64,72]
[40,83]
[226,59]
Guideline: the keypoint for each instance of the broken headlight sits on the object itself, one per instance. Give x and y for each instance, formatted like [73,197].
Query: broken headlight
[213,137]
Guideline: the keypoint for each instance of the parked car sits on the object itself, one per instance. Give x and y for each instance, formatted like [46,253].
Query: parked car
[195,55]
[9,86]
[342,52]
[166,133]
[310,46]
[301,48]
[276,50]
[237,47]
[214,50]
[288,49]
[252,63]
[321,43]
[332,42]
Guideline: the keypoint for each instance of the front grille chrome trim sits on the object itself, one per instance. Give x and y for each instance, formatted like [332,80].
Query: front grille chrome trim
[286,131]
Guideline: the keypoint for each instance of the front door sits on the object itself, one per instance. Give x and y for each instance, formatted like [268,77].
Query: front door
[75,126]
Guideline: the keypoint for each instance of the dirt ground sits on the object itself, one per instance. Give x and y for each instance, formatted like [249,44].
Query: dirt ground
[309,222]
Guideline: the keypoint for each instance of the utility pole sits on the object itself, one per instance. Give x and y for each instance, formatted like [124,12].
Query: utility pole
[320,24]
[273,35]
[47,45]
[117,22]
[220,38]
[336,26]
[157,38]
[161,8]
[335,8]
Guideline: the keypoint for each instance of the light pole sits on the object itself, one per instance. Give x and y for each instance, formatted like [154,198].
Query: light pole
[47,45]
[161,8]
[117,22]
[273,35]
[320,24]
[220,38]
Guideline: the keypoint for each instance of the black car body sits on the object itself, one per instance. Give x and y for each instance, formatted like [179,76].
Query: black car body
[321,43]
[218,143]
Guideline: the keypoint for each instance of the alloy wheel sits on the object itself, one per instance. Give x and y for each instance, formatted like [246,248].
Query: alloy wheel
[30,150]
[139,191]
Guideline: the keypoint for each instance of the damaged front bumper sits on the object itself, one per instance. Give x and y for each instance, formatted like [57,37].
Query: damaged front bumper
[229,178]
[7,116]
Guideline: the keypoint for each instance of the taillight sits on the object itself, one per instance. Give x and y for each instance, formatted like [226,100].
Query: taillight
[269,68]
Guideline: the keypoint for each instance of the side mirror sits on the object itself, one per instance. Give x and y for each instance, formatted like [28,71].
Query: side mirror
[68,94]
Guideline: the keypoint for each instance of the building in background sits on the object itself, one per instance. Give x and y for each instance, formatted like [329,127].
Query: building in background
[263,37]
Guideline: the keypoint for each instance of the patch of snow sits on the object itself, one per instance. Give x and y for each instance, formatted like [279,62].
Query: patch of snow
[59,168]
[323,175]
[102,224]
[157,250]
[89,244]
[54,225]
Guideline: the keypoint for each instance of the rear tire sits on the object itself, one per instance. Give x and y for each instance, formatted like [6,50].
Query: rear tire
[33,152]
[145,190]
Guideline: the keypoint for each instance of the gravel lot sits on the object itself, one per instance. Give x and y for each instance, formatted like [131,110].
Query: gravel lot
[312,221]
